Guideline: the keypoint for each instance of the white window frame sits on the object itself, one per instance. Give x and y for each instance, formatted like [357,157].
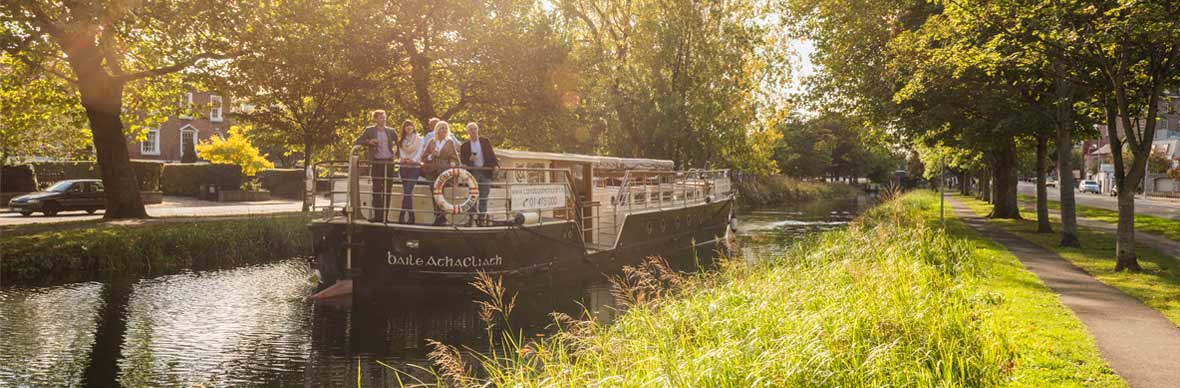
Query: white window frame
[215,108]
[180,144]
[149,140]
[186,103]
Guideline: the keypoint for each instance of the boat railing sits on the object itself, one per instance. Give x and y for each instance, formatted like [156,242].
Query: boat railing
[620,193]
[515,195]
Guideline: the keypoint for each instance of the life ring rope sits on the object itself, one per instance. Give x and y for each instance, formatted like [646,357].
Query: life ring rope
[466,177]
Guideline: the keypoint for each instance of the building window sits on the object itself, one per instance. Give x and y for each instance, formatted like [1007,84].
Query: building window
[188,141]
[151,143]
[215,108]
[186,104]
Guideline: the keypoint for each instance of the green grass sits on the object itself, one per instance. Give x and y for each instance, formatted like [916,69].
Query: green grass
[891,301]
[1157,286]
[1143,223]
[86,253]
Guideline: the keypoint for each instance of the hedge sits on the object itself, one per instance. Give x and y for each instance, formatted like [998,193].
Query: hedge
[147,172]
[17,179]
[282,182]
[186,179]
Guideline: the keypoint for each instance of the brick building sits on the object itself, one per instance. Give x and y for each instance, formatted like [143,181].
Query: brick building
[168,141]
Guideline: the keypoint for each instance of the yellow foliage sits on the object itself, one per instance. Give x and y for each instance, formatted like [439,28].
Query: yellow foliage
[234,150]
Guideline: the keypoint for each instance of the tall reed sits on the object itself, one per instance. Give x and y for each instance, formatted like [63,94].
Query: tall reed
[886,302]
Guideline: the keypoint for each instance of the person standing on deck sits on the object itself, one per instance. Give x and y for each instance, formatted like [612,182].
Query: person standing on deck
[409,155]
[440,153]
[478,152]
[380,141]
[431,125]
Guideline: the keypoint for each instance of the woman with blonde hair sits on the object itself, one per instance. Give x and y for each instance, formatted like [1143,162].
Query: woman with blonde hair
[440,154]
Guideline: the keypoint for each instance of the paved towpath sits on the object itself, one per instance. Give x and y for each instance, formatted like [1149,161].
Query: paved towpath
[1162,244]
[1138,342]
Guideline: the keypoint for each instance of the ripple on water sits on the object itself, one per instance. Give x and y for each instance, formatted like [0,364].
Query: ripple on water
[46,333]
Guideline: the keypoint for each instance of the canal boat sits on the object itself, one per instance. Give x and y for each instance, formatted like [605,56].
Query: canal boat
[546,213]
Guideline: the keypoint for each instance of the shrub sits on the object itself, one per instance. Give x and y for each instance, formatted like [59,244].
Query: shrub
[234,150]
[186,179]
[148,172]
[284,183]
[17,179]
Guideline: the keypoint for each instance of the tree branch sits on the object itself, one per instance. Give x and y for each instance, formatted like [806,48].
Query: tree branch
[177,66]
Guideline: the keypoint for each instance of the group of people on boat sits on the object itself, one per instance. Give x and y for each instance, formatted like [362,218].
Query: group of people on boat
[424,156]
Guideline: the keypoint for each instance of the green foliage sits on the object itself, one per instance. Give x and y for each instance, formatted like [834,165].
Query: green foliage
[887,302]
[234,150]
[285,183]
[833,144]
[39,116]
[155,248]
[772,191]
[1158,163]
[186,179]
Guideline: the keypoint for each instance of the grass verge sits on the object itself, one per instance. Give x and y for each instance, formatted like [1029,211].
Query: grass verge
[86,253]
[890,301]
[1143,223]
[1157,286]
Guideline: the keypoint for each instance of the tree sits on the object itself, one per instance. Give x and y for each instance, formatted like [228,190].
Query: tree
[312,66]
[234,150]
[672,79]
[99,47]
[39,115]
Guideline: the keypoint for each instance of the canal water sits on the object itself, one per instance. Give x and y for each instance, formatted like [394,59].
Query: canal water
[248,327]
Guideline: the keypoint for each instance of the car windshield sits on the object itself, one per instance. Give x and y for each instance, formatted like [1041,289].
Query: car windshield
[1091,182]
[60,187]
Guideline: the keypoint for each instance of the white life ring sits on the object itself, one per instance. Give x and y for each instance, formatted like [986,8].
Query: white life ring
[472,190]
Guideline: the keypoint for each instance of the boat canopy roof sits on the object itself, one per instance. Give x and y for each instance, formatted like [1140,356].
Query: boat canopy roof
[599,162]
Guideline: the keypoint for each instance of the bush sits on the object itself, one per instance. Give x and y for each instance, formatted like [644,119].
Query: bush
[186,179]
[17,179]
[284,183]
[147,172]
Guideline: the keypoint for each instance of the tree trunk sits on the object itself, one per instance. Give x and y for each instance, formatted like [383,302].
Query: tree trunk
[1043,225]
[102,97]
[1004,203]
[1063,120]
[1125,239]
[307,150]
[985,186]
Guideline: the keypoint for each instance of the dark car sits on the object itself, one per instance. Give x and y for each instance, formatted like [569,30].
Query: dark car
[74,194]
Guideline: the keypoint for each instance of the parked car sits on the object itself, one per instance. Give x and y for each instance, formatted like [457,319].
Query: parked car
[1088,186]
[74,194]
[1050,182]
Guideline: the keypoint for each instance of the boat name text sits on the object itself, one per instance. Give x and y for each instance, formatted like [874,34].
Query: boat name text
[445,261]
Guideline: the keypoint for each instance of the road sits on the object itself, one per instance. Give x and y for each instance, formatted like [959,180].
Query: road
[1155,207]
[171,207]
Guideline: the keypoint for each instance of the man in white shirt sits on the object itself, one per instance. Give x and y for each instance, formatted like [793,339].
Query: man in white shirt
[380,140]
[478,153]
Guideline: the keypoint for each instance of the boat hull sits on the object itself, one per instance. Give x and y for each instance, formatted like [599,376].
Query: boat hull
[392,256]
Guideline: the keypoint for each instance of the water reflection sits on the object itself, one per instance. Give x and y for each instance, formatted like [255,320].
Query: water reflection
[46,334]
[248,327]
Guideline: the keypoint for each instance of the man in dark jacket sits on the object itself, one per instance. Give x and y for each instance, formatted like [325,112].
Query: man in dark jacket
[477,152]
[380,140]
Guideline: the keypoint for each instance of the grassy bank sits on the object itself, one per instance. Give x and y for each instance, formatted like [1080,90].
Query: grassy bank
[778,190]
[84,253]
[1157,286]
[890,301]
[1143,223]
